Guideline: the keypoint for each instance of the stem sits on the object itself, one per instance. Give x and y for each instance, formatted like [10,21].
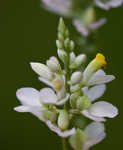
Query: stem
[64,144]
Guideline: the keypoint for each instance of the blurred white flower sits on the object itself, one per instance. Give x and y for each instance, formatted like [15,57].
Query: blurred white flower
[61,133]
[107,4]
[86,29]
[58,6]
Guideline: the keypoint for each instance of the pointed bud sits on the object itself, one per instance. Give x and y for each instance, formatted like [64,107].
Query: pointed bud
[72,45]
[76,77]
[83,102]
[72,57]
[53,64]
[63,120]
[42,70]
[80,59]
[62,55]
[59,44]
[67,43]
[61,26]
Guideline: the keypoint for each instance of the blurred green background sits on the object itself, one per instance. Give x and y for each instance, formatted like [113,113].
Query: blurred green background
[28,33]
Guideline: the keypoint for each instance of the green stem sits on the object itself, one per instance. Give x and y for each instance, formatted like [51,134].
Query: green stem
[64,144]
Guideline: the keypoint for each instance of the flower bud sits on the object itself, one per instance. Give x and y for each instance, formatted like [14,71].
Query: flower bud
[49,115]
[80,59]
[42,70]
[62,55]
[53,64]
[72,57]
[83,102]
[72,45]
[73,99]
[67,43]
[77,140]
[59,44]
[63,120]
[76,77]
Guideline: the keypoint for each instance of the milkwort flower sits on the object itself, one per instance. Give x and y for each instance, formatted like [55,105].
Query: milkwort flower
[70,94]
[107,4]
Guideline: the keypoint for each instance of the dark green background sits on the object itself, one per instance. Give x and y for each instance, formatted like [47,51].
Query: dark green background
[28,33]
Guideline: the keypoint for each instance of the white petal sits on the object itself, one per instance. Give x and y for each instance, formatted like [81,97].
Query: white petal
[103,109]
[28,96]
[100,79]
[95,92]
[63,134]
[99,72]
[22,108]
[80,27]
[87,114]
[35,110]
[42,70]
[45,81]
[97,24]
[47,95]
[95,132]
[62,101]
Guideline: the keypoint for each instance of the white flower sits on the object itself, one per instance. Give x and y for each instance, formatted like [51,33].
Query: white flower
[91,135]
[92,74]
[99,110]
[48,96]
[94,92]
[30,101]
[108,3]
[95,133]
[58,6]
[100,77]
[63,134]
[85,29]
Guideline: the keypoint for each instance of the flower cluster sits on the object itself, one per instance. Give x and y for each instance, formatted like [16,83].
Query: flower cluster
[67,106]
[82,12]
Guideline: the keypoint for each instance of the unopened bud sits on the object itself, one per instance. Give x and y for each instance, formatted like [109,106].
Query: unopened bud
[53,64]
[76,77]
[59,44]
[72,45]
[62,55]
[72,57]
[83,102]
[77,140]
[42,70]
[80,59]
[63,120]
[73,99]
[67,43]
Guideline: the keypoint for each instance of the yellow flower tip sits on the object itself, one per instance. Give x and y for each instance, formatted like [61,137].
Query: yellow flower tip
[100,58]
